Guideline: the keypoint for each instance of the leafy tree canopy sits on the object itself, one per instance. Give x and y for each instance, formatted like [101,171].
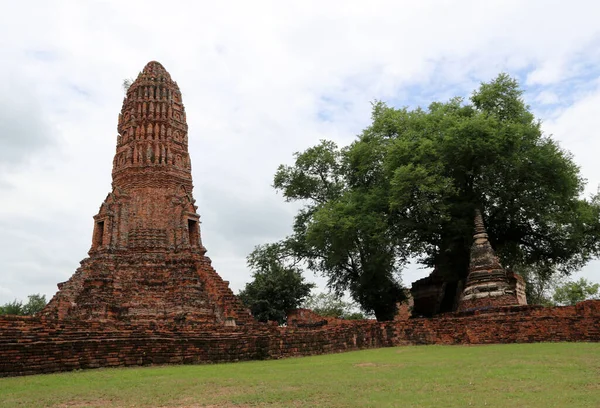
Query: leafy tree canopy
[574,292]
[12,308]
[445,162]
[409,185]
[276,287]
[330,305]
[35,303]
[344,232]
[540,285]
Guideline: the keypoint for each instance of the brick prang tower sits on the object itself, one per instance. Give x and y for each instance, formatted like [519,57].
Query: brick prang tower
[147,261]
[488,283]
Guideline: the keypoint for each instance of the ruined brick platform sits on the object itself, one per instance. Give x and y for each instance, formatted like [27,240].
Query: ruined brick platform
[147,261]
[488,283]
[31,345]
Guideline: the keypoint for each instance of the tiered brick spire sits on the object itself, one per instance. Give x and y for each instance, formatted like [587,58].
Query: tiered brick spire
[152,133]
[147,261]
[153,166]
[488,284]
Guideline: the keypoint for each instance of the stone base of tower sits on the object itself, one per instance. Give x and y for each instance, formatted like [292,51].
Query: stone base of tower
[435,294]
[487,288]
[134,287]
[483,298]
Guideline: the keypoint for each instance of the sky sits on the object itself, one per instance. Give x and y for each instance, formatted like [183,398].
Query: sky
[260,81]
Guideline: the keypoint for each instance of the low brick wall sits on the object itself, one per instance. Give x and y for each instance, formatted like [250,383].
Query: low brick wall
[31,345]
[35,345]
[522,324]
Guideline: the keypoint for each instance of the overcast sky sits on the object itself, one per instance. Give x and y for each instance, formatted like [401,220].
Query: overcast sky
[260,80]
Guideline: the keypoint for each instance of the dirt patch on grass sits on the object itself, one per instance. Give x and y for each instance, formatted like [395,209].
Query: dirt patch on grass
[230,405]
[86,404]
[365,365]
[207,401]
[226,405]
[377,365]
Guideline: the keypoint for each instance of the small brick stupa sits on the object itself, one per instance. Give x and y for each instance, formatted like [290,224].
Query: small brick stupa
[147,261]
[488,283]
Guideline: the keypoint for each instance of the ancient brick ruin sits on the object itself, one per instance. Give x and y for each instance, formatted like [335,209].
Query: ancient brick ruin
[488,284]
[147,261]
[147,294]
[435,294]
[30,345]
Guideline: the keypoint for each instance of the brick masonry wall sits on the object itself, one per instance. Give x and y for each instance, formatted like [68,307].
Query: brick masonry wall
[37,345]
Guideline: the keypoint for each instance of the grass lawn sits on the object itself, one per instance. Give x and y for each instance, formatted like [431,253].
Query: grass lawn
[512,375]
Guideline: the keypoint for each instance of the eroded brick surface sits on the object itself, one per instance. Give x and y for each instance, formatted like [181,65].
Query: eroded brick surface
[147,261]
[488,283]
[39,345]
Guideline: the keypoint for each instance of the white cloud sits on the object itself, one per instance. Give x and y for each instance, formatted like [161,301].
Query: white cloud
[255,77]
[576,128]
[23,129]
[547,98]
[549,73]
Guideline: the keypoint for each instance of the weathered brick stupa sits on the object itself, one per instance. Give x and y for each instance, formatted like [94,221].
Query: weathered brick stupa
[147,261]
[488,283]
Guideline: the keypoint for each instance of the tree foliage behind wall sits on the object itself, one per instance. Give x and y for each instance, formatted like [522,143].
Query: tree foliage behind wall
[276,287]
[35,303]
[330,305]
[570,293]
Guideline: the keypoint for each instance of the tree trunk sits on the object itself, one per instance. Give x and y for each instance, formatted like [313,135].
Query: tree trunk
[385,313]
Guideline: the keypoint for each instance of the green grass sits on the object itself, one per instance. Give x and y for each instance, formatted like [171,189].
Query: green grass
[517,375]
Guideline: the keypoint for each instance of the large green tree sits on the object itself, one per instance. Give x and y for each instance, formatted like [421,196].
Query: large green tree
[344,232]
[409,186]
[447,161]
[277,286]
